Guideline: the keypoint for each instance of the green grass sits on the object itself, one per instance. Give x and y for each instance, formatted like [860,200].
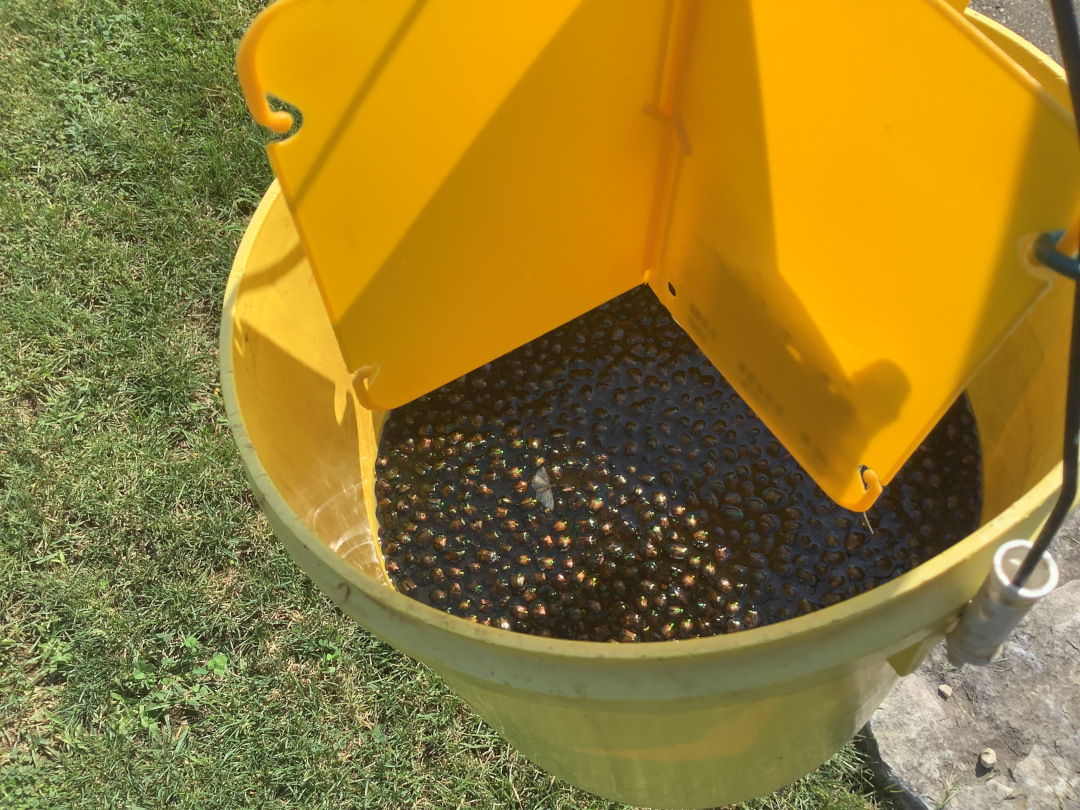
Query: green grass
[157,647]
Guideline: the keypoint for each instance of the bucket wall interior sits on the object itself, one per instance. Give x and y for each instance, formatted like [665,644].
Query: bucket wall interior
[693,723]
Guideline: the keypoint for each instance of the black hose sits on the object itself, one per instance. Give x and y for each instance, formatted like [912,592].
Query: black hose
[1068,461]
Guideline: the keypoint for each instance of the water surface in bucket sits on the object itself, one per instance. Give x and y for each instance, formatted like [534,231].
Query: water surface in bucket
[604,482]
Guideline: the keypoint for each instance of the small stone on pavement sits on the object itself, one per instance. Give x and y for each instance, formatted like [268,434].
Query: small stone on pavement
[945,691]
[988,758]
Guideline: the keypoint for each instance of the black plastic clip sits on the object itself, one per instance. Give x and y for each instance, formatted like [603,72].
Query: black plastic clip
[1047,253]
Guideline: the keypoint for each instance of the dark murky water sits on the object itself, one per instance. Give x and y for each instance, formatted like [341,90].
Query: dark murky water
[604,482]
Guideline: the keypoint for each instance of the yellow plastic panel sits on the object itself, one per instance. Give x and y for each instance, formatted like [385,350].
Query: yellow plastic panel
[468,175]
[853,190]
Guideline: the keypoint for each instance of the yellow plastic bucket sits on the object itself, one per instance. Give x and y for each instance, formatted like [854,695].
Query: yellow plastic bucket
[676,724]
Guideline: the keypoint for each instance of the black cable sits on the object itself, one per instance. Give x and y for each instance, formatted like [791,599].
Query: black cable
[1068,461]
[1068,33]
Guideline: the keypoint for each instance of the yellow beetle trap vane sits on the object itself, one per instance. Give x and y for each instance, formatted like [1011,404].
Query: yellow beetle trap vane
[809,194]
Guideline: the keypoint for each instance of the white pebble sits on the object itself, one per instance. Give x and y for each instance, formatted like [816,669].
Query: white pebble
[988,758]
[945,691]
